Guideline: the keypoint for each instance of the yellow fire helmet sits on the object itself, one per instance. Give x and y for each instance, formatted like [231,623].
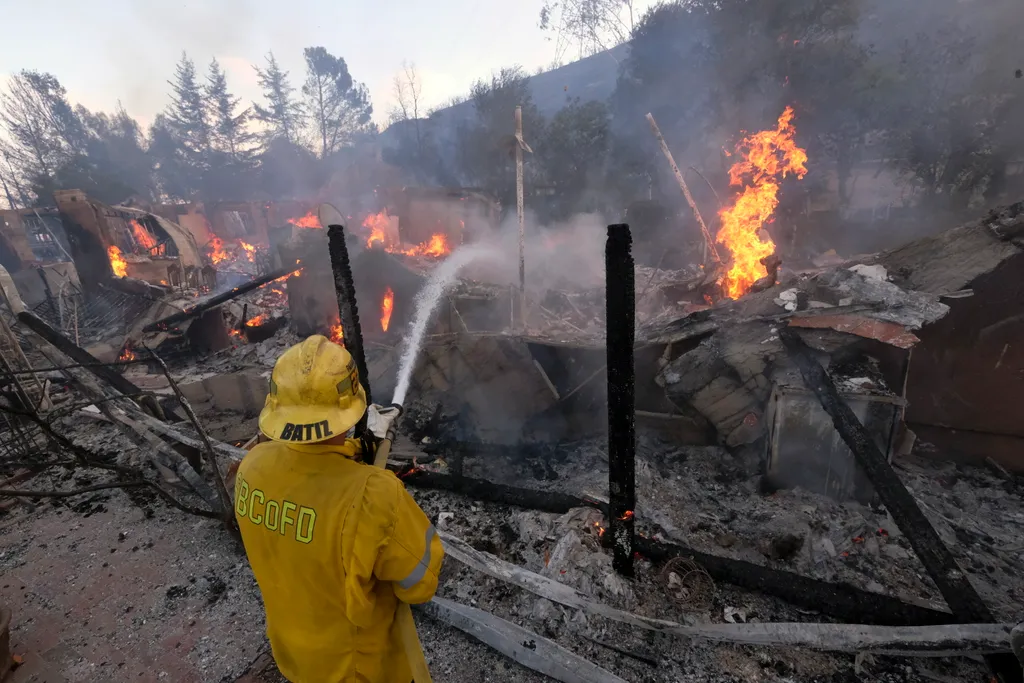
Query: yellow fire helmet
[314,393]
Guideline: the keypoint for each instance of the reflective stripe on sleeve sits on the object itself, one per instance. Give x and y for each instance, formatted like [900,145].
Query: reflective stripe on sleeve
[420,570]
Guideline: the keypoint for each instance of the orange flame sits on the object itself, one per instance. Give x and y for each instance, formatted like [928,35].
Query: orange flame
[376,223]
[308,221]
[142,236]
[765,159]
[336,335]
[436,247]
[256,321]
[250,251]
[126,354]
[216,249]
[386,307]
[117,262]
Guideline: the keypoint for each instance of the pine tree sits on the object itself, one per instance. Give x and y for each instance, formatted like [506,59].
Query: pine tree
[230,128]
[339,108]
[187,113]
[283,115]
[42,130]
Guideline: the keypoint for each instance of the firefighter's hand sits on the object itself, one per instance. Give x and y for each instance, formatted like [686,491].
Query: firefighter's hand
[379,418]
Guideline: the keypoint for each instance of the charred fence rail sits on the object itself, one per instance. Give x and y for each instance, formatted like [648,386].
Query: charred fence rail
[964,601]
[840,601]
[620,321]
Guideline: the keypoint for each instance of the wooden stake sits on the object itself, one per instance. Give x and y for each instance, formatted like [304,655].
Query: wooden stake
[709,242]
[620,322]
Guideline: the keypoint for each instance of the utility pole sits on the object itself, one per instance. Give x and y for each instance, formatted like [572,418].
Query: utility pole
[520,145]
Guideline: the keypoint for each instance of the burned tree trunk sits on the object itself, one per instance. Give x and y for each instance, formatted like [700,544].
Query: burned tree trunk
[620,314]
[942,567]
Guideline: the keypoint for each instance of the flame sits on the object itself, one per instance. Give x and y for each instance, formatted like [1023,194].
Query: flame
[126,354]
[257,321]
[627,516]
[376,223]
[250,251]
[117,262]
[765,159]
[308,221]
[386,307]
[142,236]
[216,249]
[437,246]
[336,335]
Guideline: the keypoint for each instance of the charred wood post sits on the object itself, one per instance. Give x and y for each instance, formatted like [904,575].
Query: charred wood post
[348,311]
[965,603]
[620,315]
[214,301]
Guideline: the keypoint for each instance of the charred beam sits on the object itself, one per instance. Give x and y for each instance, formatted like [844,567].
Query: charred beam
[216,300]
[77,353]
[620,320]
[480,489]
[841,601]
[942,567]
[348,311]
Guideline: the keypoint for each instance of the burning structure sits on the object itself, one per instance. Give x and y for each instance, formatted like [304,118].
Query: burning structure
[733,382]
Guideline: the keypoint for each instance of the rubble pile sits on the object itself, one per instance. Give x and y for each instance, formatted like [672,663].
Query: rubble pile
[746,475]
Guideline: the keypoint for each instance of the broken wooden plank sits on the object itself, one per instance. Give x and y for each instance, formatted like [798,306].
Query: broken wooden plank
[937,559]
[543,586]
[932,641]
[899,641]
[517,643]
[172,432]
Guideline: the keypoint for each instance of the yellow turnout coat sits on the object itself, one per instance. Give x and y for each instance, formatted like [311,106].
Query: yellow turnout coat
[334,545]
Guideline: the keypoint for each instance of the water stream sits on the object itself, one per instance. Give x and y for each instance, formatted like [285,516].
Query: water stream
[426,302]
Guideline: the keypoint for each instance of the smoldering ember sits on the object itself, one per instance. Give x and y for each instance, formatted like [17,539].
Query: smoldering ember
[745,405]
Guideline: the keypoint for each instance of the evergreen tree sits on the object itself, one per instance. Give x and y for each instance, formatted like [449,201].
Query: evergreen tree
[187,113]
[230,127]
[339,108]
[43,132]
[283,115]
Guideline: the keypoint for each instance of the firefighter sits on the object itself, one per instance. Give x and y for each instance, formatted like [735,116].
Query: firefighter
[334,543]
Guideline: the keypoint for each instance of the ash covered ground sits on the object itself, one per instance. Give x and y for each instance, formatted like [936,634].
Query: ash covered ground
[117,586]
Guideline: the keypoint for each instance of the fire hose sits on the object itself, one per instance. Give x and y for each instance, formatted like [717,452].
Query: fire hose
[403,616]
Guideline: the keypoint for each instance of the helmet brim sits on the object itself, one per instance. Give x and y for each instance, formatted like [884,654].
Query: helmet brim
[289,423]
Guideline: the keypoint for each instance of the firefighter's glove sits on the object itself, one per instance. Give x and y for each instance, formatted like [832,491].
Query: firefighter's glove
[380,418]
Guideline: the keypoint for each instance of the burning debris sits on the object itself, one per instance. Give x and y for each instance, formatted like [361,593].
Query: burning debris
[386,307]
[720,374]
[765,159]
[310,220]
[117,262]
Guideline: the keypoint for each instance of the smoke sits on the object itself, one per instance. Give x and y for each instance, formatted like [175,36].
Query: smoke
[565,255]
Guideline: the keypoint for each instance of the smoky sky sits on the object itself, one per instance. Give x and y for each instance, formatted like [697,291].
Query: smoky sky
[125,50]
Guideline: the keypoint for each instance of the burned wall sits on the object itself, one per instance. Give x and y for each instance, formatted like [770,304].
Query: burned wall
[968,371]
